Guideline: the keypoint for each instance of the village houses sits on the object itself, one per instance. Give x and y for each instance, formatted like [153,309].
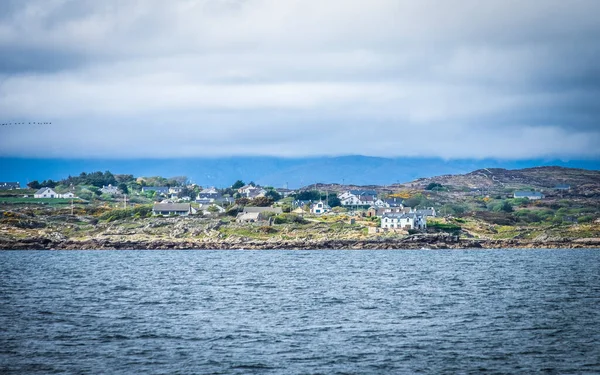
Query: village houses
[9,185]
[361,198]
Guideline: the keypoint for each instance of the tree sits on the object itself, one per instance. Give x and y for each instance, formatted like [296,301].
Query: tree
[238,184]
[434,186]
[507,207]
[124,178]
[243,201]
[186,192]
[262,202]
[308,195]
[273,195]
[49,183]
[123,187]
[334,201]
[34,185]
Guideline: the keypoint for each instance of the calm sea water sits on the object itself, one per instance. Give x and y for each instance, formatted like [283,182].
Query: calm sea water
[300,312]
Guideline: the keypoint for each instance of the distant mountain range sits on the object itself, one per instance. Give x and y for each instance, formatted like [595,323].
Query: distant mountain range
[272,171]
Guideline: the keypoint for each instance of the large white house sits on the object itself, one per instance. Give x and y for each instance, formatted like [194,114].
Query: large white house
[404,221]
[47,192]
[361,198]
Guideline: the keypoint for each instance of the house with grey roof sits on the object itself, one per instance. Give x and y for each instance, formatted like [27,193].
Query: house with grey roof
[250,209]
[374,211]
[532,195]
[46,192]
[158,189]
[394,202]
[249,217]
[9,185]
[109,189]
[168,209]
[360,198]
[427,212]
[211,194]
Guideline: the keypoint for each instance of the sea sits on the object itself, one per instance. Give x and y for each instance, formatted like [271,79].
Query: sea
[300,312]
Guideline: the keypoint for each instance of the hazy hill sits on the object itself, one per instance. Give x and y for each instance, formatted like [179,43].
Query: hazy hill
[541,178]
[273,171]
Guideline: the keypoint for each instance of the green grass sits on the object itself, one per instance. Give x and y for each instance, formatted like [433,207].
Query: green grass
[40,201]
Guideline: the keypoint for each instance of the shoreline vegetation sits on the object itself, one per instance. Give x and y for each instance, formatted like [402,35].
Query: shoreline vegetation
[546,207]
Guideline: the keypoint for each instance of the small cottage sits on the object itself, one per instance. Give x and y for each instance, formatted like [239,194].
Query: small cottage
[168,209]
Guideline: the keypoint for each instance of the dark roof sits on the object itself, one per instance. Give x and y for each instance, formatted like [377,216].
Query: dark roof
[562,187]
[176,207]
[394,201]
[9,185]
[250,209]
[42,190]
[401,215]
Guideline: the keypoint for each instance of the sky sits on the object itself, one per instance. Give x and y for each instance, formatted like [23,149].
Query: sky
[500,79]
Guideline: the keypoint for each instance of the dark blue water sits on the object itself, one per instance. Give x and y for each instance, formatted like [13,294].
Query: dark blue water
[300,312]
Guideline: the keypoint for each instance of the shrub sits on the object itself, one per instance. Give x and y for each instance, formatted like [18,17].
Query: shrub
[125,213]
[585,219]
[446,227]
[289,219]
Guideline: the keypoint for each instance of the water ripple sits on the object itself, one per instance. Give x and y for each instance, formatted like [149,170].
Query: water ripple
[300,312]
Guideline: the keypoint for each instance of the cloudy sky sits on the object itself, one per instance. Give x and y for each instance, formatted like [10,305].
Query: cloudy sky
[500,79]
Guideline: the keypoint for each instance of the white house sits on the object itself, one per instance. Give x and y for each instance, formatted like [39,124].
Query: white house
[404,221]
[46,192]
[427,212]
[532,195]
[67,195]
[360,198]
[109,189]
[319,208]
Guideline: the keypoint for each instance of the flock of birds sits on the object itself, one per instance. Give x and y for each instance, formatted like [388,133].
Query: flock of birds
[25,123]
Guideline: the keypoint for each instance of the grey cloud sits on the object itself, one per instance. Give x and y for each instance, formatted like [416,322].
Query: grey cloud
[383,77]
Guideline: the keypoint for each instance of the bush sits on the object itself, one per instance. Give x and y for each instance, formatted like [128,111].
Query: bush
[585,219]
[289,219]
[126,213]
[449,227]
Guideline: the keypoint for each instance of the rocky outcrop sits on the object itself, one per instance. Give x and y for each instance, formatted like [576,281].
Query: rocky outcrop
[440,241]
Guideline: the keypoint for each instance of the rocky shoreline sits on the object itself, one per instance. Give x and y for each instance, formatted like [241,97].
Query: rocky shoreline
[432,242]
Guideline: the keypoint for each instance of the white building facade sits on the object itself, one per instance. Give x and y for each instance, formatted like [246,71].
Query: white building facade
[404,221]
